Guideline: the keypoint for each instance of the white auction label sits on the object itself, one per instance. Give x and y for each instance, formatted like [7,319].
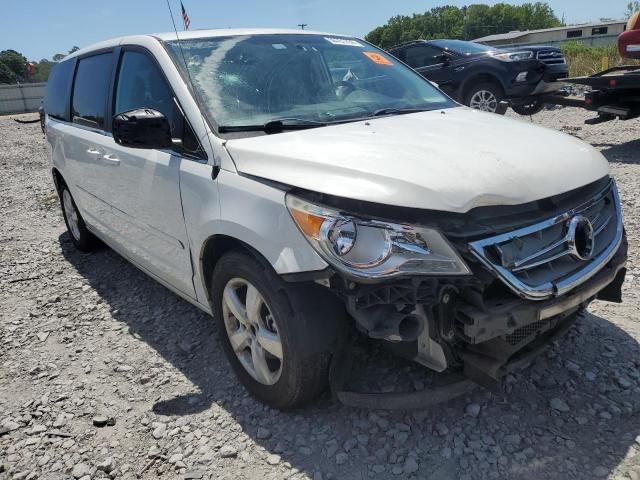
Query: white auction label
[344,41]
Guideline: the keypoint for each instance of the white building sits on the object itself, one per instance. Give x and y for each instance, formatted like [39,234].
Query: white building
[595,34]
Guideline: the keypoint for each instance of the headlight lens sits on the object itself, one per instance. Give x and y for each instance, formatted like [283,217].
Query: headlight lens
[374,249]
[513,56]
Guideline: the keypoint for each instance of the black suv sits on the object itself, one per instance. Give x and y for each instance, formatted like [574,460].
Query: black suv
[481,76]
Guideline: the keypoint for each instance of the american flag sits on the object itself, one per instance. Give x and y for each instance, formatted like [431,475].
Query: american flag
[185,17]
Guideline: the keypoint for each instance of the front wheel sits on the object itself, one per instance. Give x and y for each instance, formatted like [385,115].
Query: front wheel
[279,337]
[485,97]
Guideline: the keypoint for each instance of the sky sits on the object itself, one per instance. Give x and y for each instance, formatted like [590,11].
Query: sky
[41,28]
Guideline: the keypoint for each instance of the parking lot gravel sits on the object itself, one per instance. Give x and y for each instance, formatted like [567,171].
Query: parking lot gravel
[106,374]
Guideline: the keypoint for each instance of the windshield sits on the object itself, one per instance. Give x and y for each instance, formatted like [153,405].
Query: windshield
[255,79]
[461,46]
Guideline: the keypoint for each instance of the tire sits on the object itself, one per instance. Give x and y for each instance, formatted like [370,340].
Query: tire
[309,322]
[528,109]
[485,97]
[81,237]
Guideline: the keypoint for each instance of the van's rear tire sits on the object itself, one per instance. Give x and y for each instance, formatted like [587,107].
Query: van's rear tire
[81,237]
[302,323]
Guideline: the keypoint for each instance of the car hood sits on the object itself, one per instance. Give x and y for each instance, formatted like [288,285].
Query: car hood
[451,160]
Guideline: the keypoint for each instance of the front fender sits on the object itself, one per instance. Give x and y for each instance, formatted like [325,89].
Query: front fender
[256,214]
[244,209]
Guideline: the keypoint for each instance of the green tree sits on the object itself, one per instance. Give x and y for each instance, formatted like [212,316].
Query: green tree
[13,66]
[632,7]
[15,62]
[467,23]
[59,56]
[537,15]
[6,75]
[43,69]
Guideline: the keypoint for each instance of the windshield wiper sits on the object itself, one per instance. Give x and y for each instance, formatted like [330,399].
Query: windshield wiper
[274,126]
[397,111]
[290,123]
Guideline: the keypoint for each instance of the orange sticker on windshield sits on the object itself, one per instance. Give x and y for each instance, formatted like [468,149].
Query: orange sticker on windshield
[377,58]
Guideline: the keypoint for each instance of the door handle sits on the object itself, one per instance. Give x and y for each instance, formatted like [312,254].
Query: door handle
[93,151]
[111,159]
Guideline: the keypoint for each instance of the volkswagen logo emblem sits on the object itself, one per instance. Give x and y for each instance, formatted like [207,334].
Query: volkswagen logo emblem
[580,238]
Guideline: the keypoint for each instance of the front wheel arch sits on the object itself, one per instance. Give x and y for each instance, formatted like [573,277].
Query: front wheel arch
[58,179]
[213,249]
[477,79]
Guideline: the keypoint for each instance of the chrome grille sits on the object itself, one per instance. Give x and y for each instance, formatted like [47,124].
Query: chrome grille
[551,57]
[556,255]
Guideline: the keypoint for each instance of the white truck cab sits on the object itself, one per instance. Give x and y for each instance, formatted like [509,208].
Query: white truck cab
[303,186]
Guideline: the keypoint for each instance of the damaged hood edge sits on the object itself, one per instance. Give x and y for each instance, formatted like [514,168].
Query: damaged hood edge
[451,160]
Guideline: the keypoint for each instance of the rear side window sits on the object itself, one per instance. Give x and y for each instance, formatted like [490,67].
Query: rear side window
[91,89]
[422,56]
[55,97]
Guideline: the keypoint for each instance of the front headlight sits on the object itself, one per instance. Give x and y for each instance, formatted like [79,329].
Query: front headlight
[374,249]
[513,56]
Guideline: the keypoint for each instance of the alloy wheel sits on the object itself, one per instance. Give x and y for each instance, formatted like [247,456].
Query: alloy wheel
[252,331]
[484,100]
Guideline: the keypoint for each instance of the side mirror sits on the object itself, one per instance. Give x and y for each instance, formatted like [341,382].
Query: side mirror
[142,128]
[443,58]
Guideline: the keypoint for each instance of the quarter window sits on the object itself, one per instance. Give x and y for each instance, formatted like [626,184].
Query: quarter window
[56,98]
[91,89]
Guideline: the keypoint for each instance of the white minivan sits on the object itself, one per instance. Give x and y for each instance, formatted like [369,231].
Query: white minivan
[308,188]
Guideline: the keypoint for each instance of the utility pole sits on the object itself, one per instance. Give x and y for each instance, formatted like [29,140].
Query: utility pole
[302,25]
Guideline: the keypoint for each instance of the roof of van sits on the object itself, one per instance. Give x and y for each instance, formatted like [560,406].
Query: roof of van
[191,34]
[229,32]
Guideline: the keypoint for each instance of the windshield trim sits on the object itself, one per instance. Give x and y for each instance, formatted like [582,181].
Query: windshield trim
[279,125]
[236,129]
[215,126]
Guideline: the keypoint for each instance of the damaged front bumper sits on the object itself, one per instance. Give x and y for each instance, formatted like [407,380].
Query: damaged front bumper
[530,270]
[528,286]
[479,345]
[503,337]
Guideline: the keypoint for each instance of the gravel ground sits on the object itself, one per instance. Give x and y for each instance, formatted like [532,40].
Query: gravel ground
[104,373]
